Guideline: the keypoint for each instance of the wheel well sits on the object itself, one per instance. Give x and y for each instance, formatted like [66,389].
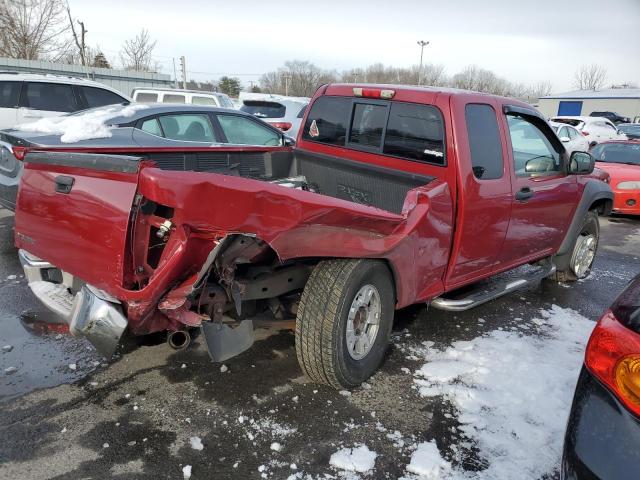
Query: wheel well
[603,206]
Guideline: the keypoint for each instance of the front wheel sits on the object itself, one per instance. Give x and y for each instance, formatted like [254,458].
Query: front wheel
[344,321]
[584,250]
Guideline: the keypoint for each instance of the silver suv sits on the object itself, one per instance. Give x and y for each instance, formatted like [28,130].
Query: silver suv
[282,112]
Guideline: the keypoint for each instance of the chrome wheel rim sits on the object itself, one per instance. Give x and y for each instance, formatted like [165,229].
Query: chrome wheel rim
[583,255]
[363,322]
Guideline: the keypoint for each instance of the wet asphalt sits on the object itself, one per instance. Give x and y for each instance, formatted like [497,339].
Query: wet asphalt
[131,417]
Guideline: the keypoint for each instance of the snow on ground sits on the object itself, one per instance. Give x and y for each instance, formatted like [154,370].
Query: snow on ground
[357,459]
[84,126]
[513,393]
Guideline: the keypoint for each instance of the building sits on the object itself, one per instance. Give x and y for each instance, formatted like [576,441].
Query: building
[624,101]
[122,80]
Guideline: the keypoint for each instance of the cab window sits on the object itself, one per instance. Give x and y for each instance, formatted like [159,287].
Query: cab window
[485,145]
[533,154]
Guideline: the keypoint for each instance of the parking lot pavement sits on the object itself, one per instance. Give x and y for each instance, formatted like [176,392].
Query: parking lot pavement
[138,416]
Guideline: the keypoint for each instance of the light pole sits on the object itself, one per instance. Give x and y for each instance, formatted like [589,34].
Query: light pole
[422,44]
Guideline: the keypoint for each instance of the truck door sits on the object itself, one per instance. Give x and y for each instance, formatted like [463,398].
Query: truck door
[544,195]
[484,199]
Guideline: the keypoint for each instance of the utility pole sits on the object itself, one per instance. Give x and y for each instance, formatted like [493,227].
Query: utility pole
[422,44]
[286,85]
[183,68]
[175,74]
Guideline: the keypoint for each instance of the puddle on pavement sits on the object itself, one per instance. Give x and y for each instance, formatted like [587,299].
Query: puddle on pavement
[37,352]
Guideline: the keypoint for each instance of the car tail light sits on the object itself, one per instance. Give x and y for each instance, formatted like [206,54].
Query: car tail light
[613,352]
[19,152]
[284,126]
[586,134]
[373,93]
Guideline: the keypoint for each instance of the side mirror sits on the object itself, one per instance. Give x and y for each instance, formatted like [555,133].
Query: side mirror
[288,141]
[581,163]
[564,139]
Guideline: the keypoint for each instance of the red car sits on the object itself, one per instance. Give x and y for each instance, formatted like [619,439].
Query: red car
[392,196]
[621,160]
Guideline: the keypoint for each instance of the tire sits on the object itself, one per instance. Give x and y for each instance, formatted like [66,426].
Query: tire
[324,314]
[590,227]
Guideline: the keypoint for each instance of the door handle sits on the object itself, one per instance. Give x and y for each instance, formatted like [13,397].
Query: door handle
[524,194]
[64,183]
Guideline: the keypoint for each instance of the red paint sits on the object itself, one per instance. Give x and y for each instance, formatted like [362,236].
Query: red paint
[620,172]
[453,231]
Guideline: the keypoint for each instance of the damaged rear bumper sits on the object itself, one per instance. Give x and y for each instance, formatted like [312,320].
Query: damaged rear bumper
[90,312]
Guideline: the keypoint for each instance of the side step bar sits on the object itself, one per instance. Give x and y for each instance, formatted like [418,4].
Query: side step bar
[489,292]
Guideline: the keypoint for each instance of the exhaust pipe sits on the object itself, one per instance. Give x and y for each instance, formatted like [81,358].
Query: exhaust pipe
[179,340]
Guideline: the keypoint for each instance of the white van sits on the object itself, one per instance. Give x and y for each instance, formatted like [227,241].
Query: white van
[174,95]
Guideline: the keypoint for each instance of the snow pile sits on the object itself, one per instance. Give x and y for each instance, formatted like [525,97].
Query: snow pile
[86,126]
[427,462]
[196,443]
[186,472]
[513,393]
[357,459]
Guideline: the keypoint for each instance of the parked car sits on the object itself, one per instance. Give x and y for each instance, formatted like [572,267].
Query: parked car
[603,432]
[392,196]
[622,161]
[282,112]
[27,97]
[631,130]
[174,95]
[573,140]
[611,116]
[127,127]
[594,129]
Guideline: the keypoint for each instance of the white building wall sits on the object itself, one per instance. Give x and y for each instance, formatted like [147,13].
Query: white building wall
[629,107]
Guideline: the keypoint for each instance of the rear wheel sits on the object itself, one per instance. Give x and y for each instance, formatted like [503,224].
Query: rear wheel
[584,250]
[344,321]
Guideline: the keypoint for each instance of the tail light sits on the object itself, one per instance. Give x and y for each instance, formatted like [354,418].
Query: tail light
[284,126]
[586,134]
[19,152]
[613,352]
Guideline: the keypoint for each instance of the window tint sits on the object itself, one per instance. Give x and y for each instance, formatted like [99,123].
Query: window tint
[9,93]
[262,109]
[146,97]
[201,100]
[173,98]
[368,124]
[301,112]
[532,152]
[97,97]
[188,128]
[151,126]
[53,97]
[484,141]
[327,120]
[244,131]
[415,132]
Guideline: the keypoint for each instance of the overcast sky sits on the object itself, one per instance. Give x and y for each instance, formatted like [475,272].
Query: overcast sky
[523,41]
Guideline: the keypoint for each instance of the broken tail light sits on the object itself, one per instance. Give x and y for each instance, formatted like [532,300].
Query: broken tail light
[613,352]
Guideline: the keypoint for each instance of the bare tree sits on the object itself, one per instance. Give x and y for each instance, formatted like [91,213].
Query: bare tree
[137,52]
[33,29]
[79,38]
[540,89]
[590,77]
[296,78]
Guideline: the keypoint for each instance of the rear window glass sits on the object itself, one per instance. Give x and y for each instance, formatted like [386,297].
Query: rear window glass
[262,109]
[628,153]
[98,97]
[415,132]
[368,124]
[52,97]
[173,98]
[484,141]
[327,120]
[9,93]
[301,112]
[201,100]
[146,97]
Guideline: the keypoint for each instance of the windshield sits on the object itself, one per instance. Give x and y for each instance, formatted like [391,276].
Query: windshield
[628,153]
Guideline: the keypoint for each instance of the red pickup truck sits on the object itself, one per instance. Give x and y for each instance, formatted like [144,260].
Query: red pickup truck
[392,196]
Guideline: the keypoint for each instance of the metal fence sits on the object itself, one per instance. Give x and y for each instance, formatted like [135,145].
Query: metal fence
[122,80]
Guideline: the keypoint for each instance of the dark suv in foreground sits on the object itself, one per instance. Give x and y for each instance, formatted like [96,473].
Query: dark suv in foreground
[612,116]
